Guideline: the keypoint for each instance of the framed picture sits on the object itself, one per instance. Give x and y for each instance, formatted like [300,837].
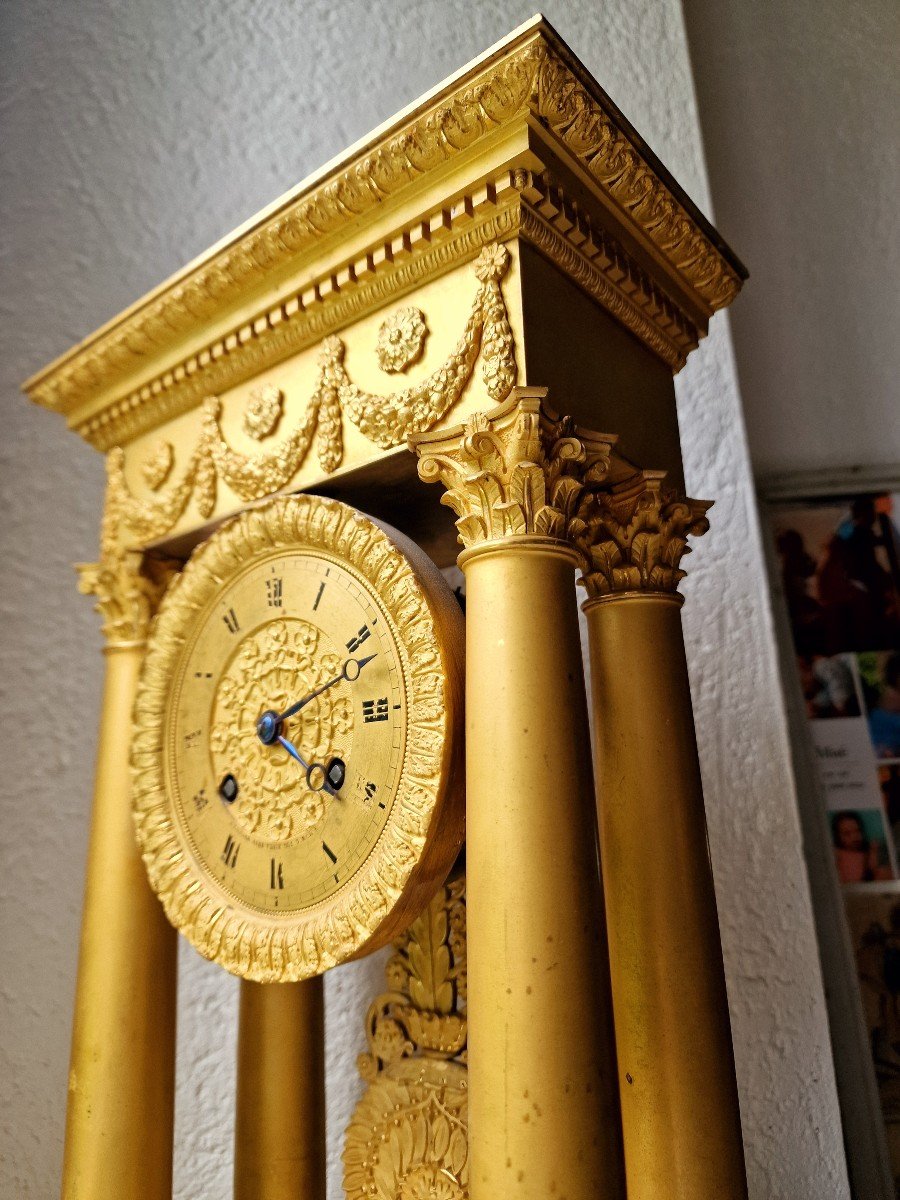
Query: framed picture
[839,561]
[834,555]
[873,915]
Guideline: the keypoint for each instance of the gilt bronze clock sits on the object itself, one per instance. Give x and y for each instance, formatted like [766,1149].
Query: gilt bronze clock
[459,300]
[296,758]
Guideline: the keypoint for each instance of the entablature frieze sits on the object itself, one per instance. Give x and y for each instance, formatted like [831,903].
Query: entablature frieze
[521,145]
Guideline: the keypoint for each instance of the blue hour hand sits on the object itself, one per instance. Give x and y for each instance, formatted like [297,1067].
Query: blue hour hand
[294,753]
[311,769]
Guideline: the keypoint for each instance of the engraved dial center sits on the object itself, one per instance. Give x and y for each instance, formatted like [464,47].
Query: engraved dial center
[291,730]
[296,760]
[269,668]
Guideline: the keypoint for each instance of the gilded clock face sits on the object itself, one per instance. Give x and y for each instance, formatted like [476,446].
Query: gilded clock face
[282,806]
[296,739]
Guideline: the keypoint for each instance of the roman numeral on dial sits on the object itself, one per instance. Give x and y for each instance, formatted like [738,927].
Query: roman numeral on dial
[276,875]
[375,710]
[231,621]
[355,642]
[230,853]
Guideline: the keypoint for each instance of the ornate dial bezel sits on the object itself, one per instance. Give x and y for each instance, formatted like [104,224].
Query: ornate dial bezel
[424,827]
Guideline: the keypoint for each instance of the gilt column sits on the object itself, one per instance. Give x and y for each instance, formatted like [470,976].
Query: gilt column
[680,1117]
[543,1106]
[119,1118]
[279,1148]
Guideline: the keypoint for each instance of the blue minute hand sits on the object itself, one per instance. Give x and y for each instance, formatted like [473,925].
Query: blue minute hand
[349,671]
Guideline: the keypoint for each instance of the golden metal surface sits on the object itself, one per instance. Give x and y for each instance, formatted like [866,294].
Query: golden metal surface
[122,1073]
[408,1136]
[544,1113]
[285,882]
[401,340]
[213,465]
[597,373]
[296,355]
[515,471]
[127,587]
[636,535]
[680,1116]
[542,1077]
[522,142]
[279,1143]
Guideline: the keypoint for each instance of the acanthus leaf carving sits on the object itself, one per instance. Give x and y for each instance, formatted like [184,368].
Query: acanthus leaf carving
[127,585]
[516,471]
[636,535]
[408,1136]
[127,588]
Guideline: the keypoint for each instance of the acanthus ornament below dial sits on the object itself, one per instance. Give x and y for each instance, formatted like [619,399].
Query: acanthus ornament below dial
[296,760]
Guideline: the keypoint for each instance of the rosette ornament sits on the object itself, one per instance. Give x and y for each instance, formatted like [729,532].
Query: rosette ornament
[401,340]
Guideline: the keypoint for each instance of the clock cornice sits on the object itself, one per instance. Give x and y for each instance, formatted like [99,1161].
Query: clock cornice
[521,144]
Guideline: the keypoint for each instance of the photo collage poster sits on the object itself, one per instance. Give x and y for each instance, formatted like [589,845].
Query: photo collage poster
[839,559]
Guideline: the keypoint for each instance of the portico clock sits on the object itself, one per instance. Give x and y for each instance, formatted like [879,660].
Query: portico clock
[296,762]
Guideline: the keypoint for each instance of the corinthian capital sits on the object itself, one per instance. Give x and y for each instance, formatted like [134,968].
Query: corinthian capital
[128,585]
[519,470]
[128,589]
[637,534]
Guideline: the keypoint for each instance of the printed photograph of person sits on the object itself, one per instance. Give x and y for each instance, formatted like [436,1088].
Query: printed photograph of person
[858,586]
[840,568]
[880,676]
[860,846]
[829,688]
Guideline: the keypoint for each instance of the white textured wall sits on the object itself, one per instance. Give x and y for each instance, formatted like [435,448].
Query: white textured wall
[799,105]
[792,1133]
[132,137]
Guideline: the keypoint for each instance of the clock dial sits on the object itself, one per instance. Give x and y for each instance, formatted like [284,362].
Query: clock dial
[296,759]
[267,824]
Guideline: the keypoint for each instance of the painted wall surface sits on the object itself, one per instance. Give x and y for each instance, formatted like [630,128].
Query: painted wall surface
[132,137]
[799,105]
